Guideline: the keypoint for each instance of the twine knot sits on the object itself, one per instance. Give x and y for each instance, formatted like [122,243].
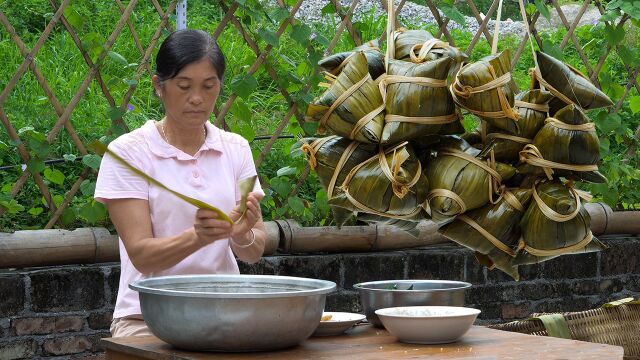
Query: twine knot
[311,155]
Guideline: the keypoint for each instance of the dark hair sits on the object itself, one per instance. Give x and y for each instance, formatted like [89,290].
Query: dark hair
[184,47]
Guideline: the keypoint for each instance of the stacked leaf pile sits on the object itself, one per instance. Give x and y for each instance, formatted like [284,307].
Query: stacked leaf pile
[392,147]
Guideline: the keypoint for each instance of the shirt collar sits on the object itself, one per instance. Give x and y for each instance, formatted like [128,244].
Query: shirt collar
[161,148]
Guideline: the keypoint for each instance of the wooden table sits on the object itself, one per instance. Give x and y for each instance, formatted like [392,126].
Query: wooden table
[367,342]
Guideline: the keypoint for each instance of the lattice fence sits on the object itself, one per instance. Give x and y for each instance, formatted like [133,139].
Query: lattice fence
[229,21]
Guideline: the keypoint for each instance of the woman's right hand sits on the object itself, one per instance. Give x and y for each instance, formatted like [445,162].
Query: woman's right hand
[209,227]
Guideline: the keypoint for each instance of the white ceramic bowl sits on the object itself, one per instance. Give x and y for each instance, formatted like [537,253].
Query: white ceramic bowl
[338,323]
[428,324]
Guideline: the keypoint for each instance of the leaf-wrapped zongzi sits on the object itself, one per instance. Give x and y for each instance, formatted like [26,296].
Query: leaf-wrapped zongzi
[554,224]
[533,110]
[352,107]
[567,145]
[332,158]
[492,230]
[567,84]
[419,46]
[418,101]
[484,89]
[334,64]
[390,184]
[460,182]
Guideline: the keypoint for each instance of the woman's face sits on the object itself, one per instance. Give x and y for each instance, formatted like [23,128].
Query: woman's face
[190,96]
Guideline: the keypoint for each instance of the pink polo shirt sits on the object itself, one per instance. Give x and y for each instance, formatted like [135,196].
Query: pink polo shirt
[211,175]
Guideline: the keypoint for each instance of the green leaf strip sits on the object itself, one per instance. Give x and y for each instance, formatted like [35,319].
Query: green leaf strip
[556,325]
[102,148]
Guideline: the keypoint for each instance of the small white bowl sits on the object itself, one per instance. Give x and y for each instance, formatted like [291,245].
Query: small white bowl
[338,323]
[428,324]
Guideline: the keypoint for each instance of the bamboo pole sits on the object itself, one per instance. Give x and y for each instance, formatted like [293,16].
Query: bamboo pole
[93,245]
[605,221]
[55,247]
[298,239]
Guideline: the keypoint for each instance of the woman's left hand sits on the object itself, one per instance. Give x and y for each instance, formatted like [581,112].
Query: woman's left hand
[250,218]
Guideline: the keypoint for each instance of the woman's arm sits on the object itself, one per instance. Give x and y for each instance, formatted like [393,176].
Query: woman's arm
[249,235]
[250,253]
[148,254]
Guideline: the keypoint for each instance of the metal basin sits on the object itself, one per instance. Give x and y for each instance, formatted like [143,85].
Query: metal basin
[232,312]
[376,295]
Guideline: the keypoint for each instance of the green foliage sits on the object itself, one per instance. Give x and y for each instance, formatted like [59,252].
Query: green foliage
[449,10]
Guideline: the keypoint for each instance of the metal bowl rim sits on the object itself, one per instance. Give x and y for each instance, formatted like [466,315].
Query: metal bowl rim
[142,286]
[463,285]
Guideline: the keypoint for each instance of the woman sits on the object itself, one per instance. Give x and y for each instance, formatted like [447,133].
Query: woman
[161,234]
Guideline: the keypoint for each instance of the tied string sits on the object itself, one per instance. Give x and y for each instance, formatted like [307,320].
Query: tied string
[446,193]
[487,235]
[511,201]
[390,176]
[391,44]
[513,138]
[531,155]
[495,182]
[527,105]
[423,49]
[400,188]
[588,127]
[343,160]
[330,78]
[387,80]
[460,91]
[586,196]
[556,252]
[310,150]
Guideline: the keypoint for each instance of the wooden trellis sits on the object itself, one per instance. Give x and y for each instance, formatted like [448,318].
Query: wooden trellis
[230,20]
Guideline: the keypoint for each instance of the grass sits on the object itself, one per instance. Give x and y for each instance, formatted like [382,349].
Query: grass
[64,69]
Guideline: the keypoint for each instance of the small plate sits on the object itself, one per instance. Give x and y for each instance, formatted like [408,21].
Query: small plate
[338,323]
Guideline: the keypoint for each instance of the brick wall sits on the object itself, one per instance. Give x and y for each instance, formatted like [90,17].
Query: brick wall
[62,312]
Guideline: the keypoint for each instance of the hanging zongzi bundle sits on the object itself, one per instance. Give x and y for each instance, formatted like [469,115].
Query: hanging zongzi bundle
[567,145]
[390,184]
[554,224]
[567,84]
[492,230]
[352,107]
[460,182]
[484,89]
[333,64]
[418,102]
[332,158]
[532,108]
